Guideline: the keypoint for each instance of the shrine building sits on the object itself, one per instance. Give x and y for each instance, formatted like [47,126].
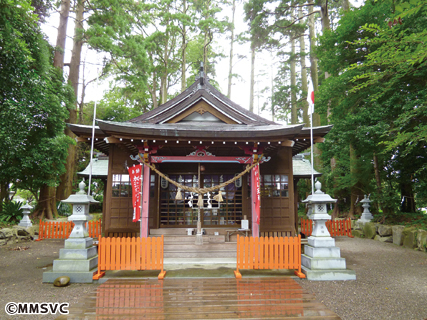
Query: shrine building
[201,139]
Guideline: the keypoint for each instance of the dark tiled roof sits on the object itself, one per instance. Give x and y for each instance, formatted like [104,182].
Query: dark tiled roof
[191,96]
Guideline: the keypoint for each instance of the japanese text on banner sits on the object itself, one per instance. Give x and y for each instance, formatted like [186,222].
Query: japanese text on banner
[258,195]
[135,174]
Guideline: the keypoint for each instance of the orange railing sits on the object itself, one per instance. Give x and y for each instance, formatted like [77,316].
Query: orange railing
[62,229]
[335,227]
[130,254]
[94,228]
[269,253]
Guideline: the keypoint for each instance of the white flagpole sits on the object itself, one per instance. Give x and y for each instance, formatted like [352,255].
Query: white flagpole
[93,139]
[310,100]
[312,156]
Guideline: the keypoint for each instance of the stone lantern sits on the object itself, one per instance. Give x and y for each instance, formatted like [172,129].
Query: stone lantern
[366,214]
[78,260]
[25,221]
[321,259]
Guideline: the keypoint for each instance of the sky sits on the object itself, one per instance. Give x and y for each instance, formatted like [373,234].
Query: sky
[265,63]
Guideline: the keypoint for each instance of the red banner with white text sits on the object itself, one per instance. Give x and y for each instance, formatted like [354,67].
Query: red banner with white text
[135,174]
[257,194]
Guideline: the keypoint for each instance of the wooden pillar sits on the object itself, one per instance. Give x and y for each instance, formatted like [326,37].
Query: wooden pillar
[145,201]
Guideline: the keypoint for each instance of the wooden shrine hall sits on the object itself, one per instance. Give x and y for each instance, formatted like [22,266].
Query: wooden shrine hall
[201,139]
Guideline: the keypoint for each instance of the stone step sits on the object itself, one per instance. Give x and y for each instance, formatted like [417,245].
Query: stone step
[209,262]
[206,254]
[183,231]
[323,263]
[229,246]
[181,239]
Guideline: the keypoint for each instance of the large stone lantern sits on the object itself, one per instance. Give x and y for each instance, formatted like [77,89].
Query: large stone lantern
[78,260]
[321,259]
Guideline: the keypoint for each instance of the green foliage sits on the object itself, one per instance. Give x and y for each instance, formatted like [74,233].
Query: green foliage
[33,102]
[377,98]
[11,212]
[64,209]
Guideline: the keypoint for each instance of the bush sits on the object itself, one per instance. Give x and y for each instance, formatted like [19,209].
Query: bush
[11,212]
[64,209]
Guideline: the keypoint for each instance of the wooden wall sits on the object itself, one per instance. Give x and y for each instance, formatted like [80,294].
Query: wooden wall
[278,213]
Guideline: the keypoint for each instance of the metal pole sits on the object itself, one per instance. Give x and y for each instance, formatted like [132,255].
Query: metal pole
[93,139]
[312,153]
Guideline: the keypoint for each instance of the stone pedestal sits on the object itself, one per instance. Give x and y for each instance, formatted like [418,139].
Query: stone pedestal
[366,214]
[322,259]
[79,258]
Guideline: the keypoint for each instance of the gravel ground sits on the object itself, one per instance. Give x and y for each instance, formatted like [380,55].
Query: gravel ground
[391,281]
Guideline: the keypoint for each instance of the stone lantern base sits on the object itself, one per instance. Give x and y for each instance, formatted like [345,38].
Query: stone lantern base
[78,260]
[322,261]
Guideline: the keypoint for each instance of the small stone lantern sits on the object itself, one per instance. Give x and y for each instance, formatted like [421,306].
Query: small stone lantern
[80,202]
[366,214]
[322,259]
[78,260]
[317,211]
[25,221]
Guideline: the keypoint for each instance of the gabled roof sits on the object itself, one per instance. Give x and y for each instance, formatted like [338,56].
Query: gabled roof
[201,90]
[201,113]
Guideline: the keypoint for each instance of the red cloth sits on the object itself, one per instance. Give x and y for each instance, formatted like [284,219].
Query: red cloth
[257,194]
[135,174]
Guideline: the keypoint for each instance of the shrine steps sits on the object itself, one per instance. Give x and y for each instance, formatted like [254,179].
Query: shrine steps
[179,245]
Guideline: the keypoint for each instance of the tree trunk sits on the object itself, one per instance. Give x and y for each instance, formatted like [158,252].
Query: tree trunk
[407,194]
[294,113]
[184,50]
[251,97]
[230,68]
[355,190]
[153,91]
[65,188]
[58,62]
[304,85]
[46,206]
[272,90]
[81,103]
[4,193]
[378,179]
[184,61]
[336,212]
[313,57]
[58,59]
[346,5]
[164,78]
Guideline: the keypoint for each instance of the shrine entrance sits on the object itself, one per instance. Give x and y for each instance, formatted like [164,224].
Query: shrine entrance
[183,213]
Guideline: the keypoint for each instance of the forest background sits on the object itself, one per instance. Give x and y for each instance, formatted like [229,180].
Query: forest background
[367,66]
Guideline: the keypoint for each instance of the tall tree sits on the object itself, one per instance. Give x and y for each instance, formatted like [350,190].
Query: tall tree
[377,60]
[32,114]
[65,188]
[230,66]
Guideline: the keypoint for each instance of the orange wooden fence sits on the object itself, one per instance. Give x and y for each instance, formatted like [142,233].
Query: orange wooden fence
[130,254]
[269,253]
[62,229]
[335,227]
[94,228]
